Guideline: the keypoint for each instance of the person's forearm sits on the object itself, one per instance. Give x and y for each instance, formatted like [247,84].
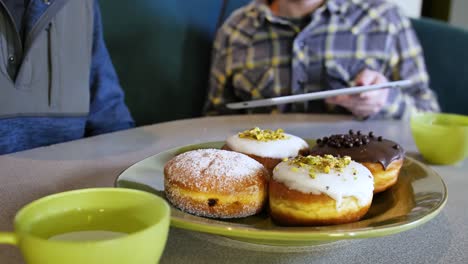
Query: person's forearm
[108,111]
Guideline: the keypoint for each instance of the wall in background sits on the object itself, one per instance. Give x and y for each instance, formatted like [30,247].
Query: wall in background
[458,12]
[411,8]
[436,9]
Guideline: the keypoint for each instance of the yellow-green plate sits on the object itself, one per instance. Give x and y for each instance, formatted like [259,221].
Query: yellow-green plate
[418,196]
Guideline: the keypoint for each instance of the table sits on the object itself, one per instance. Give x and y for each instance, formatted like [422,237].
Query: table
[97,161]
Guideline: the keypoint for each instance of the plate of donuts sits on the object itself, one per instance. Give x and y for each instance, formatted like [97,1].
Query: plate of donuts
[317,194]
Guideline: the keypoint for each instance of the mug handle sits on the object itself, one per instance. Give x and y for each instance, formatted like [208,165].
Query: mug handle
[8,238]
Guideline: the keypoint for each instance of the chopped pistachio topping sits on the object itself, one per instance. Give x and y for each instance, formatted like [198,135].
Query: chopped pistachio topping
[319,164]
[263,134]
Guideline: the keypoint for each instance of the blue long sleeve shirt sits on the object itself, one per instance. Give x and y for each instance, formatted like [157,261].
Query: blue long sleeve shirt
[108,111]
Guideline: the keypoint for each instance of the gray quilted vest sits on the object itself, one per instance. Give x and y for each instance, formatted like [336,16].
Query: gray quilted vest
[53,78]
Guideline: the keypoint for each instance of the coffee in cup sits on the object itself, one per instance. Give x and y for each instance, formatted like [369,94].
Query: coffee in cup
[100,225]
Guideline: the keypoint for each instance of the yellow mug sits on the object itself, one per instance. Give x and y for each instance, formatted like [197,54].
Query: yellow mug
[92,226]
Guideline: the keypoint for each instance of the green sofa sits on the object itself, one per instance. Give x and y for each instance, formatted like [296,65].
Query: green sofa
[161,51]
[447,62]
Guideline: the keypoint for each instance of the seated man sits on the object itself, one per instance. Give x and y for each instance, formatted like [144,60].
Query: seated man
[282,47]
[57,81]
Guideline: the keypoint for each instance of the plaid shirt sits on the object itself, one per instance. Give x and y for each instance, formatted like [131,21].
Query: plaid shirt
[258,55]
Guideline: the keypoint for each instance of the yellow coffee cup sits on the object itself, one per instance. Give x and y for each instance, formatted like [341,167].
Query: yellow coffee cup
[93,226]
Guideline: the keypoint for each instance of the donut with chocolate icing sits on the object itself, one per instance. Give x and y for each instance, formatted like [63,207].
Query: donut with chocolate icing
[216,183]
[316,190]
[382,157]
[268,147]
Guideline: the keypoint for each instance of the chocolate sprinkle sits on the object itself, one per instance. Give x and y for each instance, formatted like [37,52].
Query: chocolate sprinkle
[360,147]
[341,140]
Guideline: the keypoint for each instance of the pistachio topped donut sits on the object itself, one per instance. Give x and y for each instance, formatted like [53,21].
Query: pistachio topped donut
[382,157]
[269,147]
[316,190]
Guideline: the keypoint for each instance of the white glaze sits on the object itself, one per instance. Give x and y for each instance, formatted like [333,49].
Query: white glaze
[278,149]
[341,184]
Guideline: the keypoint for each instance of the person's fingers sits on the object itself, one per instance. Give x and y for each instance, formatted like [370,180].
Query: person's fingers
[370,94]
[337,99]
[330,100]
[366,77]
[343,98]
[369,77]
[381,79]
[349,103]
[364,104]
[380,94]
[362,107]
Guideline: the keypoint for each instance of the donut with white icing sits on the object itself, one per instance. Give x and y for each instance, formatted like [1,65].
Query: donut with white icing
[216,183]
[303,194]
[268,151]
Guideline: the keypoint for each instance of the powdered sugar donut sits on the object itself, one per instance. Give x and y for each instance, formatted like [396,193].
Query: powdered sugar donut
[216,183]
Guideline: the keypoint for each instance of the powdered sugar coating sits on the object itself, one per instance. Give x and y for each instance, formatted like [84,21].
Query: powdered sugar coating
[212,169]
[216,183]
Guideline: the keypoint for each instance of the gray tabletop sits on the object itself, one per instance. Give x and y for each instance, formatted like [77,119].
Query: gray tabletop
[97,161]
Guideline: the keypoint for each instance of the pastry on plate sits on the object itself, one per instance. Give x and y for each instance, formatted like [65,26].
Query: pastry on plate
[269,147]
[216,183]
[382,157]
[316,190]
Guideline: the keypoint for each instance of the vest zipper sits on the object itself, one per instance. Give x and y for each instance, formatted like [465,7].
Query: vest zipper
[51,63]
[42,22]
